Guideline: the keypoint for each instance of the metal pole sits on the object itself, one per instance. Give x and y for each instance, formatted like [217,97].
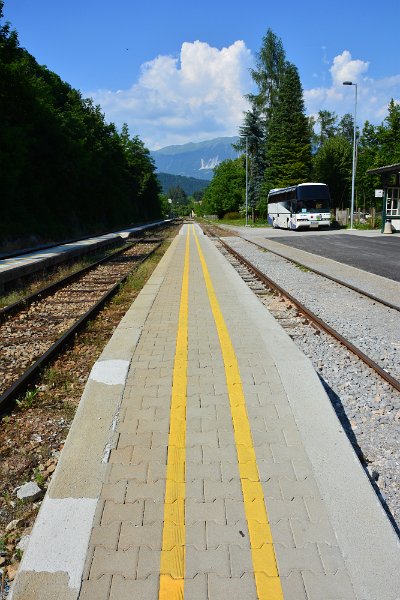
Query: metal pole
[353,171]
[246,188]
[353,175]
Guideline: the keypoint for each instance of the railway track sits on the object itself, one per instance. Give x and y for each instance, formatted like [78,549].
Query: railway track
[36,328]
[364,393]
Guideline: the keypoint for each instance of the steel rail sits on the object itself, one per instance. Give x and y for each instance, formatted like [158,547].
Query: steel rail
[313,317]
[15,307]
[23,381]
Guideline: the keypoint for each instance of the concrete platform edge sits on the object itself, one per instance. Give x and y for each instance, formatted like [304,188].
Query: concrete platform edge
[53,563]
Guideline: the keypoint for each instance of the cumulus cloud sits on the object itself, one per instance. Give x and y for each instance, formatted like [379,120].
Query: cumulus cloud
[374,95]
[195,96]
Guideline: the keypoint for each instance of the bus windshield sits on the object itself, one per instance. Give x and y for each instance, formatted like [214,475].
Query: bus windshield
[312,198]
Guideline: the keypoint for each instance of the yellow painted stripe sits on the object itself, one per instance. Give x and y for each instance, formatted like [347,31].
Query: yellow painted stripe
[172,564]
[263,554]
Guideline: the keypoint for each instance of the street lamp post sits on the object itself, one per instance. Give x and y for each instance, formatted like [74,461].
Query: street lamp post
[247,195]
[353,174]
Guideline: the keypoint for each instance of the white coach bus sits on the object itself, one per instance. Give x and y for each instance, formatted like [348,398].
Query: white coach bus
[303,205]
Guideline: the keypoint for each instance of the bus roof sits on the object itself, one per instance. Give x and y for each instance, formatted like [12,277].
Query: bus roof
[293,187]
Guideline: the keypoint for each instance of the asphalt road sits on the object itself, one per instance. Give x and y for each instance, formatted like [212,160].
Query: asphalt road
[379,255]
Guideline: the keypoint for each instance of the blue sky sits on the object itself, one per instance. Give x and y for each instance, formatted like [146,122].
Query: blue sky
[177,71]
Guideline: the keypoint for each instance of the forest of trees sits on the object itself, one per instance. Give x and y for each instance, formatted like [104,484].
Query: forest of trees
[285,147]
[65,172]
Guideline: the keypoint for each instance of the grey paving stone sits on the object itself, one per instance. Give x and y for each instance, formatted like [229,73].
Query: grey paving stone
[210,471]
[235,588]
[140,491]
[292,489]
[205,511]
[202,438]
[316,509]
[134,439]
[114,562]
[222,489]
[328,587]
[283,509]
[118,472]
[305,532]
[209,561]
[332,558]
[268,468]
[234,511]
[134,536]
[147,455]
[114,511]
[115,491]
[153,511]
[302,467]
[106,535]
[293,587]
[196,535]
[281,452]
[158,425]
[282,533]
[225,535]
[302,559]
[196,588]
[240,561]
[219,455]
[98,589]
[148,562]
[138,589]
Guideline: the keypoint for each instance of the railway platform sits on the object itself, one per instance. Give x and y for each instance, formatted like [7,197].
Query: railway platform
[205,462]
[17,267]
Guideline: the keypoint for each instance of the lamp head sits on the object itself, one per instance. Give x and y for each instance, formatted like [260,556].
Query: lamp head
[348,83]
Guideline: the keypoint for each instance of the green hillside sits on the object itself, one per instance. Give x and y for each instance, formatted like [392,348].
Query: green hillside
[188,184]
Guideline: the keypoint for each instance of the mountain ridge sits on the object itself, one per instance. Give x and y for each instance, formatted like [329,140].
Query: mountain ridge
[194,159]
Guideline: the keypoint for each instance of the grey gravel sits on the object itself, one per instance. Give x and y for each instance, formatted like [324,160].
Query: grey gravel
[368,407]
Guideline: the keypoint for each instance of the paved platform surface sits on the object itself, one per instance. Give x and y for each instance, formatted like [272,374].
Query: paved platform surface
[205,462]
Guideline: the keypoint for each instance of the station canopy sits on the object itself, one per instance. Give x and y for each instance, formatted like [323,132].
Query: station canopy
[387,172]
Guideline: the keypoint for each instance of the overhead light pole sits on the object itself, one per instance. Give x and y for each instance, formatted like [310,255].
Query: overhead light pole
[353,174]
[247,194]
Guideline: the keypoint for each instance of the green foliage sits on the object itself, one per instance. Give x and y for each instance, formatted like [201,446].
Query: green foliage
[288,153]
[65,171]
[332,165]
[29,399]
[190,185]
[226,191]
[177,195]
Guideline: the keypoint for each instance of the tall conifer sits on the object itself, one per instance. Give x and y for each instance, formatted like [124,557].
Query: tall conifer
[288,152]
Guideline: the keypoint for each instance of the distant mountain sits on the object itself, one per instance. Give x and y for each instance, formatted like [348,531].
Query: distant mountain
[194,160]
[188,184]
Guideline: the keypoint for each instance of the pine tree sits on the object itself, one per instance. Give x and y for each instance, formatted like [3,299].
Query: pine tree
[270,62]
[288,153]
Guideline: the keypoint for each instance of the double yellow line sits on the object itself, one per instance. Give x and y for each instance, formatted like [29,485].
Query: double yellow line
[172,571]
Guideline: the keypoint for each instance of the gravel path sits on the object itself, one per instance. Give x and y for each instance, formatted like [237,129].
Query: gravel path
[368,408]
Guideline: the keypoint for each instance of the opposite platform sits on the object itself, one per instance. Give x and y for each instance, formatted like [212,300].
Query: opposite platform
[206,462]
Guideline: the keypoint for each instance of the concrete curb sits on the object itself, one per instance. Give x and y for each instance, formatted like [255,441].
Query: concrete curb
[53,563]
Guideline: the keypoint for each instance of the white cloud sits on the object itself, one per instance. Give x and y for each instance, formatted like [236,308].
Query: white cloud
[374,95]
[196,96]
